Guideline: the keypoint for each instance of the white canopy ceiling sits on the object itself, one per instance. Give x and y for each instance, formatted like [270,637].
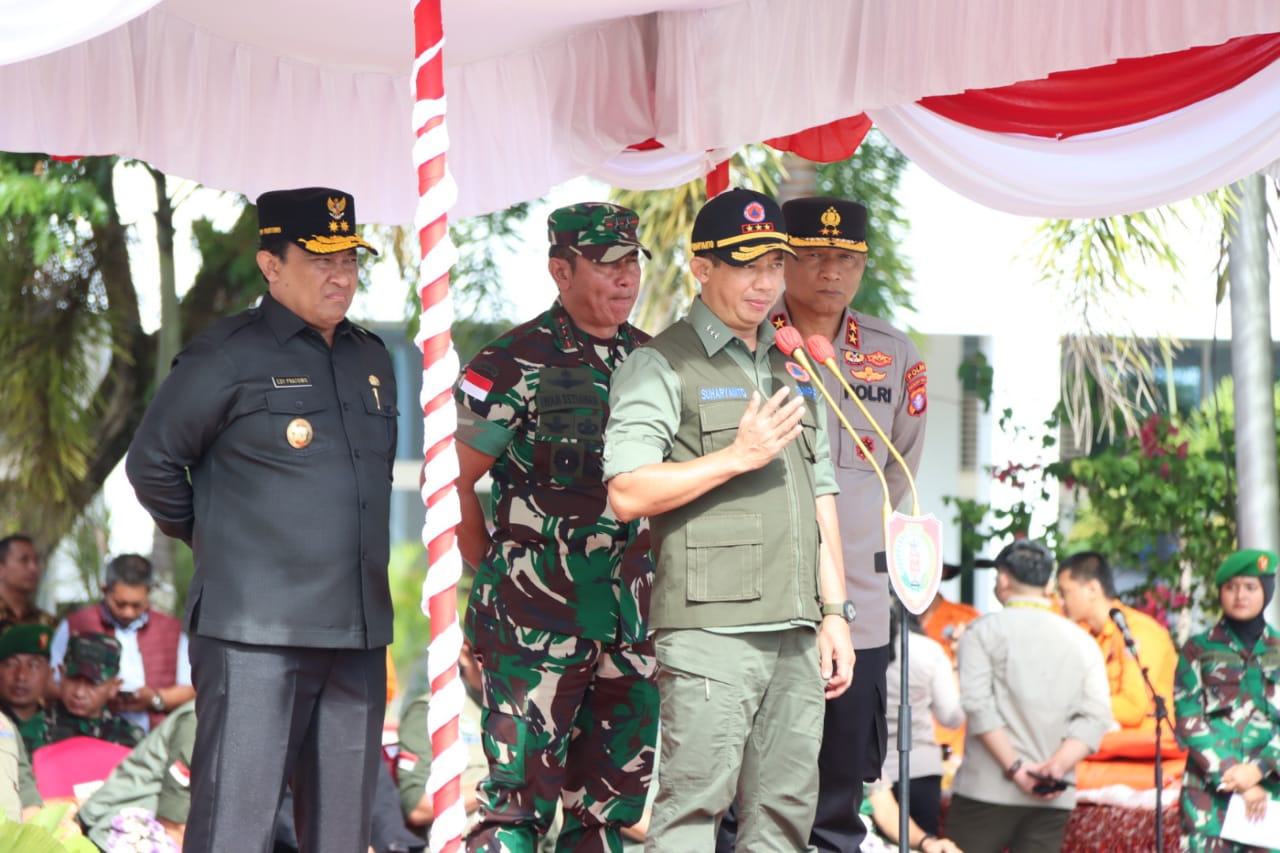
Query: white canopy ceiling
[251,94]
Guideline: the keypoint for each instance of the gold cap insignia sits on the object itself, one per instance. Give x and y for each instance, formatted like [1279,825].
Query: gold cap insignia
[337,208]
[298,433]
[830,220]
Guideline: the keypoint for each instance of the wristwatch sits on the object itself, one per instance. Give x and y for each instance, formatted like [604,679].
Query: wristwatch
[157,702]
[844,609]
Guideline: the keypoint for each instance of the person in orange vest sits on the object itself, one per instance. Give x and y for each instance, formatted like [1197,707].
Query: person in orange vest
[1126,755]
[1088,591]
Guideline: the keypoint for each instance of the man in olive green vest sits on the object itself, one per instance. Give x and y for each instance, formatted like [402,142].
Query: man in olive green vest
[714,433]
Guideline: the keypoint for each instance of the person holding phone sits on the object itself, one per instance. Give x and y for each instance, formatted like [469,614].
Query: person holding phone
[1029,722]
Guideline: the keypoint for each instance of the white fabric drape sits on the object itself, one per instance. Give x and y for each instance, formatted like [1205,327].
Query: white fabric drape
[245,95]
[32,29]
[1179,155]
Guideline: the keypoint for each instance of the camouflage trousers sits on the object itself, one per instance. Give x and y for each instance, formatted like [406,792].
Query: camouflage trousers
[563,718]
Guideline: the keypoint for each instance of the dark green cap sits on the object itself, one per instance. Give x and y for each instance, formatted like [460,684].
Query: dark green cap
[25,639]
[597,230]
[1247,562]
[92,656]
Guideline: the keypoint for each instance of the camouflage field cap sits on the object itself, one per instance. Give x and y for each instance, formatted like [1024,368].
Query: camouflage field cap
[319,219]
[92,656]
[597,230]
[740,225]
[826,222]
[25,639]
[1248,562]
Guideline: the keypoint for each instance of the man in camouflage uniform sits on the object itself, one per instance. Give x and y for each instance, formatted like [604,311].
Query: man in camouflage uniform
[89,682]
[24,676]
[557,612]
[1228,704]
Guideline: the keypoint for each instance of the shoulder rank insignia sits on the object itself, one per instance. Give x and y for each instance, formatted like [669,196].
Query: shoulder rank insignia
[851,336]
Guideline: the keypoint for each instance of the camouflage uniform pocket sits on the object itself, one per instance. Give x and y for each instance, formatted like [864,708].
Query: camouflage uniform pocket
[726,557]
[1221,691]
[506,744]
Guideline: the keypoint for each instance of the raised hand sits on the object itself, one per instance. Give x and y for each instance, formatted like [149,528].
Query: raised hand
[765,430]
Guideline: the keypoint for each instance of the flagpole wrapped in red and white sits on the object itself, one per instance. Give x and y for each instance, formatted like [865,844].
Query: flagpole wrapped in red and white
[436,194]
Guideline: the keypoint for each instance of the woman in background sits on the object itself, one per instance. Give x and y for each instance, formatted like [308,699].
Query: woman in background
[1227,699]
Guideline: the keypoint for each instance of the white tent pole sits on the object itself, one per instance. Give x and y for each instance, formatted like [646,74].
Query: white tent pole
[1258,509]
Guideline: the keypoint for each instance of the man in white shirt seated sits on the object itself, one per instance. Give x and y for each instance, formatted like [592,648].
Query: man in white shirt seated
[155,672]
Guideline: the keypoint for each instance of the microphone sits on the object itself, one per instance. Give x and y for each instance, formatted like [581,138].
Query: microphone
[789,340]
[1117,616]
[822,352]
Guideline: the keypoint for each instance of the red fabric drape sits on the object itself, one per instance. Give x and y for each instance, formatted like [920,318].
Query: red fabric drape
[1068,103]
[828,143]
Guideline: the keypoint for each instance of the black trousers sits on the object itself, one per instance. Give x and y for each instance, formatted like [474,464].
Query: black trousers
[926,802]
[270,716]
[854,737]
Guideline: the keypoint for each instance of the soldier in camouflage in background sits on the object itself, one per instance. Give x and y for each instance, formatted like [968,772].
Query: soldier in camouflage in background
[557,612]
[89,680]
[1227,698]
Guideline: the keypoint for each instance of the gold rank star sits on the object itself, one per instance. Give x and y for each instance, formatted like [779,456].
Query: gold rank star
[333,226]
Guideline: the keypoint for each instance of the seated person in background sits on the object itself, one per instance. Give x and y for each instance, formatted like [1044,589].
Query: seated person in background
[10,763]
[154,778]
[155,673]
[1088,595]
[413,764]
[20,574]
[89,682]
[933,696]
[153,783]
[24,676]
[1126,755]
[880,814]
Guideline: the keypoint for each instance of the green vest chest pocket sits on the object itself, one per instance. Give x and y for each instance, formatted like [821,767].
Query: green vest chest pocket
[568,441]
[719,423]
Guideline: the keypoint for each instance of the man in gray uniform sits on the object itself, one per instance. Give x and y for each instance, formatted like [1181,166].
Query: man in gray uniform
[269,449]
[882,365]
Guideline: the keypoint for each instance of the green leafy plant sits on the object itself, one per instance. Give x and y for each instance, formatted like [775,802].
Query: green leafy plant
[44,832]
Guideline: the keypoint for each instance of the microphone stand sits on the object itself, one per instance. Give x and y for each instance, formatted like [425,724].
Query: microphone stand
[1162,713]
[789,341]
[904,736]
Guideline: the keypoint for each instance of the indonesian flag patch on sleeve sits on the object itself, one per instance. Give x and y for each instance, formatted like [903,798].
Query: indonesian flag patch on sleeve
[181,773]
[407,761]
[476,385]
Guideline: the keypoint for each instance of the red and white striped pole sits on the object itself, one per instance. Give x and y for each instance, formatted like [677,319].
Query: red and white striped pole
[436,194]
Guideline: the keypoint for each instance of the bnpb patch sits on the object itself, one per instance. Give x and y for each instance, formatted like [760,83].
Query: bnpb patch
[797,372]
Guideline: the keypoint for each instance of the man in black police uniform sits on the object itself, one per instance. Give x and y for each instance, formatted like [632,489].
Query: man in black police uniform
[284,419]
